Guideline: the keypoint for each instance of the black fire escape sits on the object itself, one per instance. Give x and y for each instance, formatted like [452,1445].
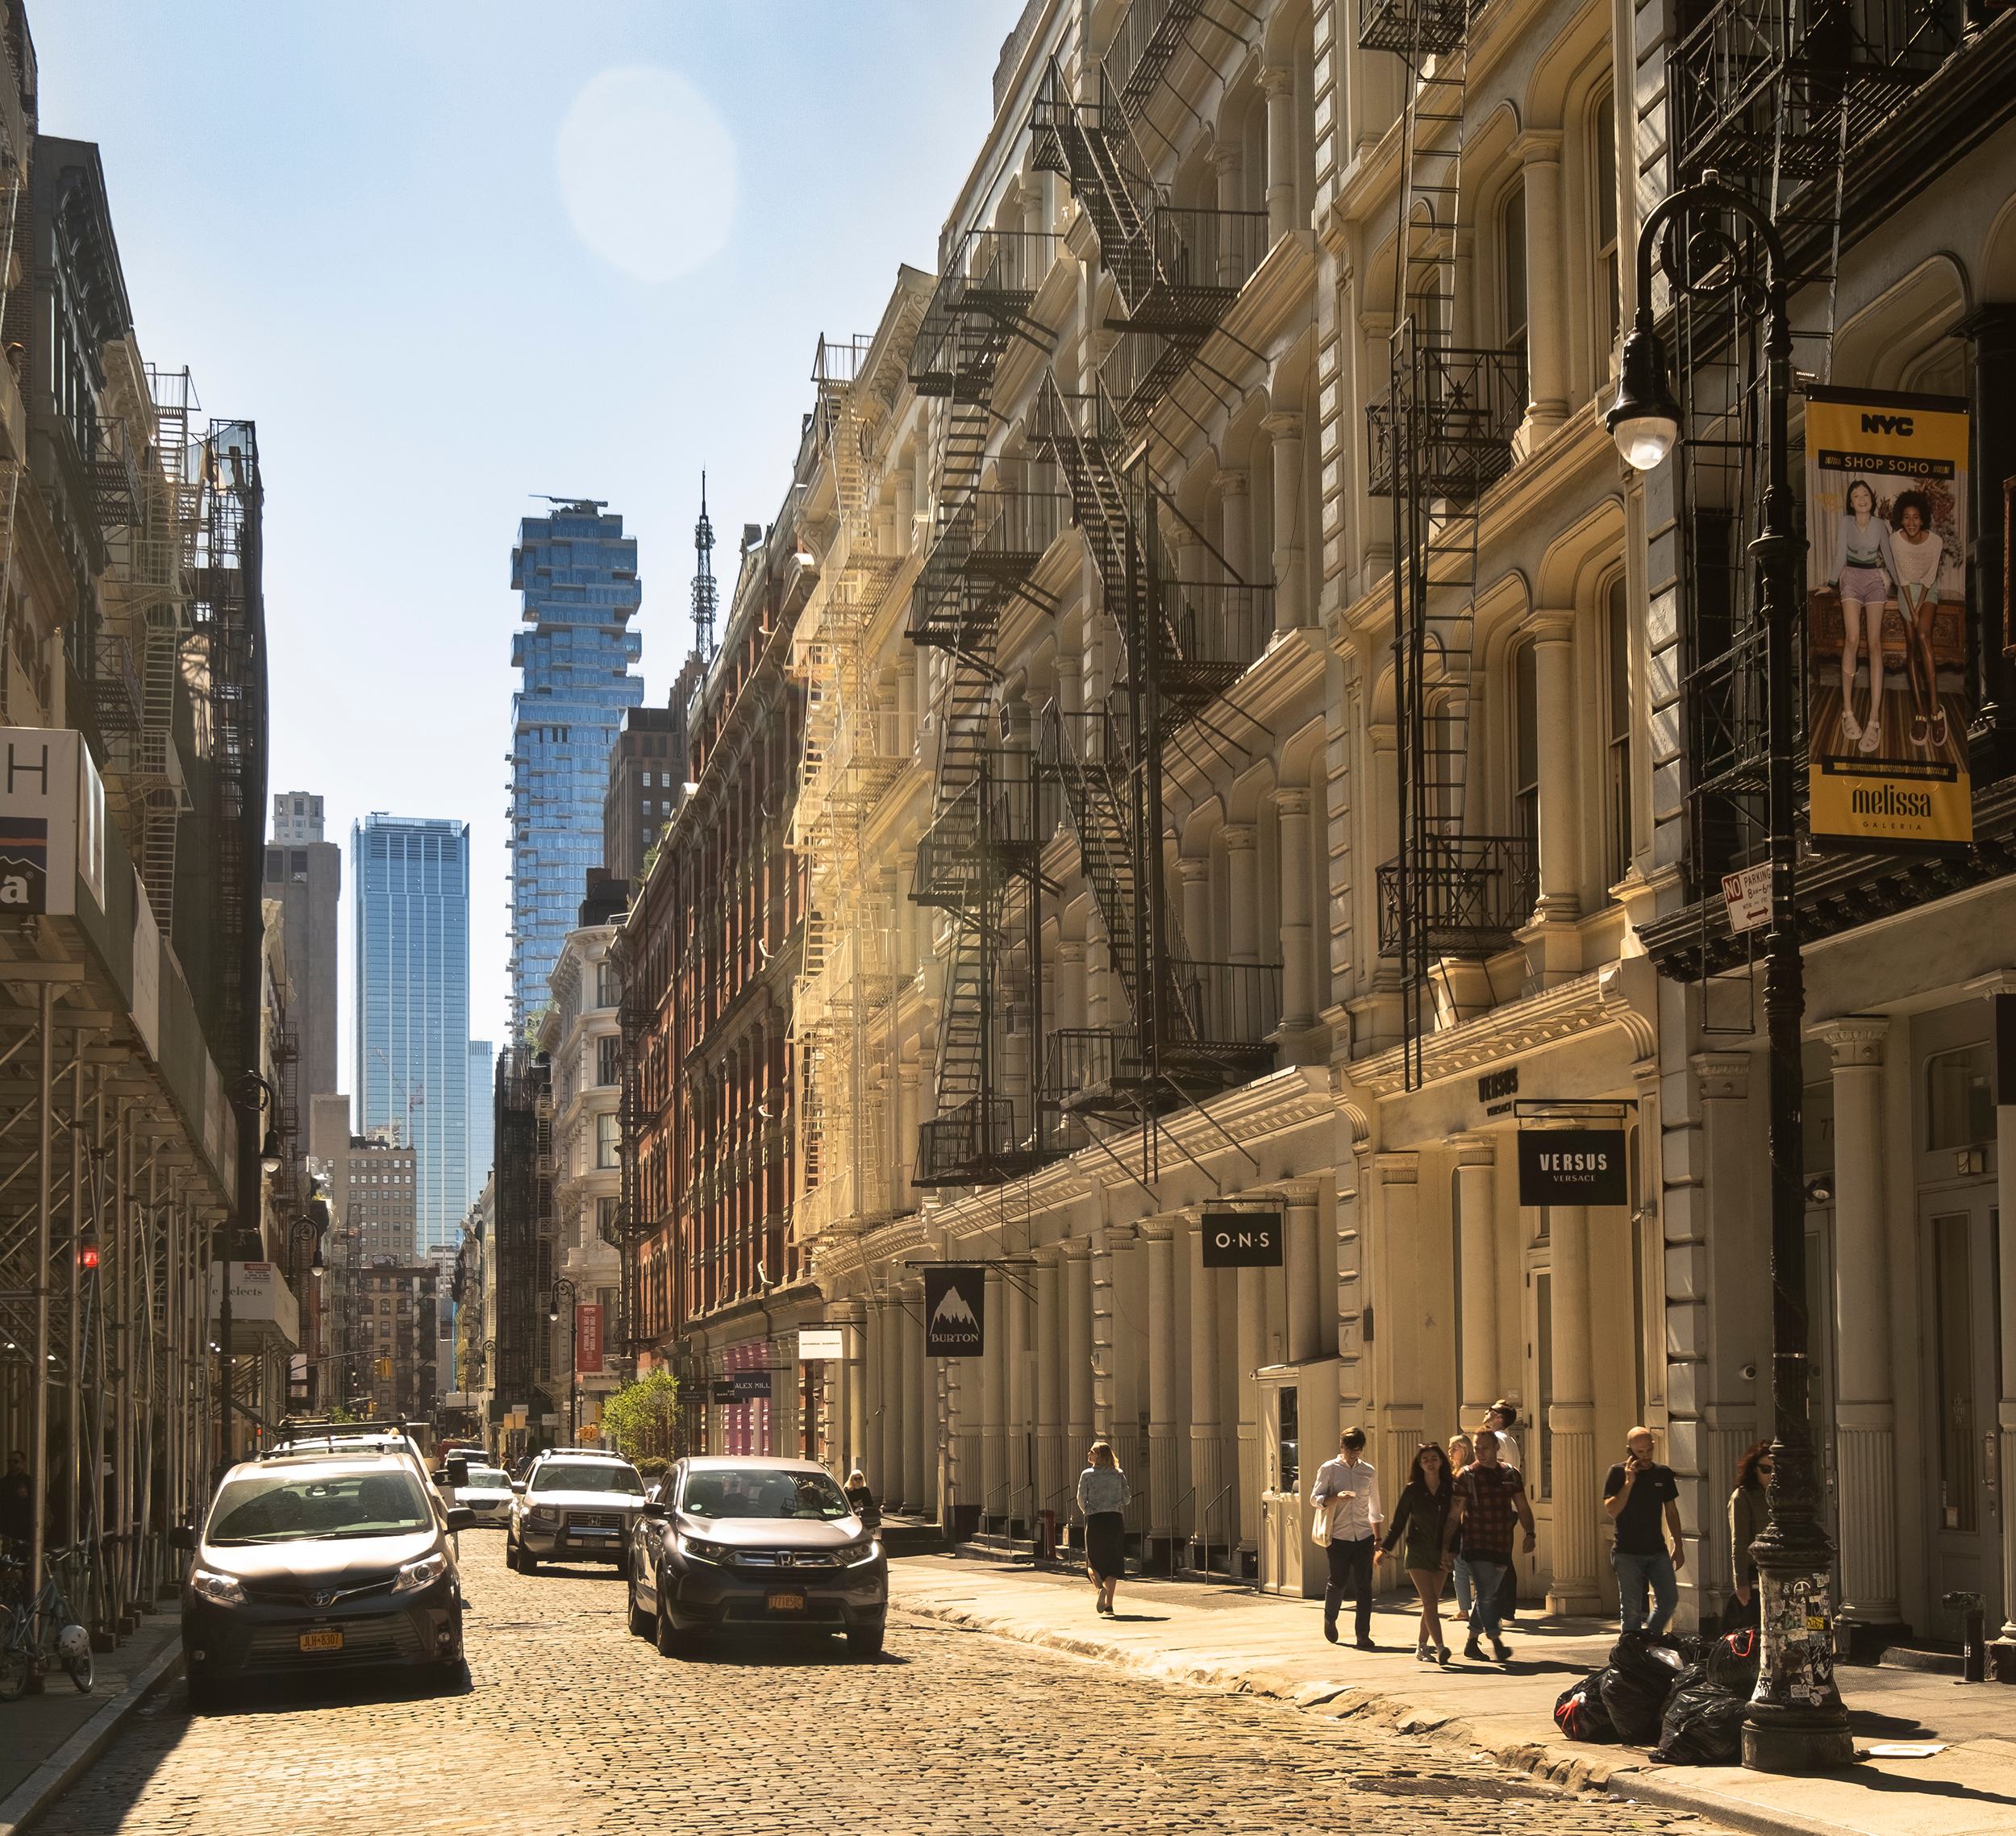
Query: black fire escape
[1437,440]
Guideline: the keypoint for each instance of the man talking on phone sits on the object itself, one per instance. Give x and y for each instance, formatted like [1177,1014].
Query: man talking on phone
[1634,1492]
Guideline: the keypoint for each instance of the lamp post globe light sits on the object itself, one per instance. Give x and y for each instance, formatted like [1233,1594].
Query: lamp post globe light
[1796,1721]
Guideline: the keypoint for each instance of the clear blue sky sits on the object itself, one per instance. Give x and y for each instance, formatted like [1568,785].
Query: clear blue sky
[349,222]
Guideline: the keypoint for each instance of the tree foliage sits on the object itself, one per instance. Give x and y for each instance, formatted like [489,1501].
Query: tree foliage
[642,1418]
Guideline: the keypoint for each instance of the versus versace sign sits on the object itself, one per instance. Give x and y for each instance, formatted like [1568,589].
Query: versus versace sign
[1241,1239]
[1572,1166]
[956,1311]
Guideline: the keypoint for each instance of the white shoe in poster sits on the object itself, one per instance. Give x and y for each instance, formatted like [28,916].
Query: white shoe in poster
[1872,734]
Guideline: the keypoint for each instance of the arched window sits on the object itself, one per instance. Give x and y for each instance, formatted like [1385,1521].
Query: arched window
[1525,744]
[1608,316]
[1617,729]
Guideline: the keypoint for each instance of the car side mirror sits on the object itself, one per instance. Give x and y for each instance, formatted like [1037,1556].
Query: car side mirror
[518,1485]
[181,1537]
[653,1509]
[461,1517]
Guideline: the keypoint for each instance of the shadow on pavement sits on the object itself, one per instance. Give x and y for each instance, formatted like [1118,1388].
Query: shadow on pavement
[282,1695]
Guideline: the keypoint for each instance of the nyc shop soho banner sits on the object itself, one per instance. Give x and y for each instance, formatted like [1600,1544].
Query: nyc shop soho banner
[1886,621]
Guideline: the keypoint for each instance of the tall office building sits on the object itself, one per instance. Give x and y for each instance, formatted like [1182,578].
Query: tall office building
[411,876]
[304,873]
[577,573]
[481,1121]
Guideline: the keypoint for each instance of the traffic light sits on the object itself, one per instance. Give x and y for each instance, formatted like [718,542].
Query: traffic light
[87,1248]
[384,1368]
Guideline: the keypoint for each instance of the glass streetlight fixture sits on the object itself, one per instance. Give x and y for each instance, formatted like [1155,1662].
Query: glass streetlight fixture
[1644,420]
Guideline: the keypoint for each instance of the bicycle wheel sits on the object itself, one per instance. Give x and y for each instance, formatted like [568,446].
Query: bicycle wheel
[83,1672]
[16,1666]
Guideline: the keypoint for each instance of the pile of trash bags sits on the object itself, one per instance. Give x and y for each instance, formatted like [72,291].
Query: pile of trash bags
[1683,1698]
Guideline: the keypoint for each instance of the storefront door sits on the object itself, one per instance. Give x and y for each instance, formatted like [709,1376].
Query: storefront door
[1282,1509]
[1957,1235]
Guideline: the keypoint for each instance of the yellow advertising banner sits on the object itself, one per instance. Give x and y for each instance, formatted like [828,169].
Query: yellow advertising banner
[1886,620]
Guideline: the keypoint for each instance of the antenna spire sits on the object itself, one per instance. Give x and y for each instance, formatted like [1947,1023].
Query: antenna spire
[705,595]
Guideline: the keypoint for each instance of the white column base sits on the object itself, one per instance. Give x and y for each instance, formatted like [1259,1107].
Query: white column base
[1865,1449]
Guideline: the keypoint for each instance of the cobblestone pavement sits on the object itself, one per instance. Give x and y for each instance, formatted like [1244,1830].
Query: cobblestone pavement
[569,1725]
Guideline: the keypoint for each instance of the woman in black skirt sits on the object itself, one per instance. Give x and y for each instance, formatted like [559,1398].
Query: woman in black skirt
[1102,1496]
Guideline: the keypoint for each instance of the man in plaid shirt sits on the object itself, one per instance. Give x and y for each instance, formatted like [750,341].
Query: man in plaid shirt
[1490,1499]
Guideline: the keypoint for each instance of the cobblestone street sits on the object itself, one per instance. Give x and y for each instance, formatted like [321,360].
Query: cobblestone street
[569,1725]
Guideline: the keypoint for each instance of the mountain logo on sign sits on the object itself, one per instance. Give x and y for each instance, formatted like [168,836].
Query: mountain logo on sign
[953,1314]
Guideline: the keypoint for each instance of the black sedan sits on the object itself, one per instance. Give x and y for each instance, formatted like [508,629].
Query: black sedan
[314,1563]
[741,1544]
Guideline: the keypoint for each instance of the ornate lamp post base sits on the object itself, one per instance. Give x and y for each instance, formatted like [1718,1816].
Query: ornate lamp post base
[1797,1722]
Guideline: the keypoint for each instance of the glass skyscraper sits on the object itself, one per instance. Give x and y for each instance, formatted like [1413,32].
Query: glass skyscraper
[577,573]
[410,876]
[481,1121]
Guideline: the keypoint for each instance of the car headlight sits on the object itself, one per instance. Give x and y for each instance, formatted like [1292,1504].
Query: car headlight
[423,1573]
[222,1589]
[544,1514]
[700,1551]
[857,1554]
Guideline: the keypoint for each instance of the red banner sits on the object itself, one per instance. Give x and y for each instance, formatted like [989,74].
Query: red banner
[588,1337]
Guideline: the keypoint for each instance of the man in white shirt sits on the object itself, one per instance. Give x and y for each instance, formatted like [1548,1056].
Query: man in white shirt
[1347,1490]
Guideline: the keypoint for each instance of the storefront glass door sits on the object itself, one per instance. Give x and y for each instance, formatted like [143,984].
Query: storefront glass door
[1957,1231]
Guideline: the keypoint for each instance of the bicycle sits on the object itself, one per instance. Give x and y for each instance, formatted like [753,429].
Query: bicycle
[43,1628]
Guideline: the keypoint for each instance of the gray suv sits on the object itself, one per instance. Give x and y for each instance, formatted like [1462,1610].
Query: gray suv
[573,1507]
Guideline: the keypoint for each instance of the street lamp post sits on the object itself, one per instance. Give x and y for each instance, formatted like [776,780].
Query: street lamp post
[1796,1722]
[254,1095]
[562,1285]
[309,1229]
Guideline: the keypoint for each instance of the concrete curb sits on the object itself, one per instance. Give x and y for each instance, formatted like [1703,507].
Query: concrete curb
[1567,1766]
[42,1787]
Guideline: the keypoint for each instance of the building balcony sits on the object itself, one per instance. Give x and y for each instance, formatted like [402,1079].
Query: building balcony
[1469,897]
[1413,28]
[982,300]
[1468,405]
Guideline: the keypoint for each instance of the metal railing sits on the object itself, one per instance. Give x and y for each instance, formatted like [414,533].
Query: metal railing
[1465,406]
[1469,895]
[1426,27]
[1226,1003]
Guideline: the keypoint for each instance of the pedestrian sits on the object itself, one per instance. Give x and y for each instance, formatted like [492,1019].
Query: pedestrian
[17,1500]
[1748,1512]
[1501,1418]
[863,1500]
[1421,1514]
[1103,1494]
[1634,1492]
[1490,1499]
[1347,1489]
[1462,1452]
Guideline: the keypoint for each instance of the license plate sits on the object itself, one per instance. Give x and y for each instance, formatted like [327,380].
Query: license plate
[787,1603]
[321,1641]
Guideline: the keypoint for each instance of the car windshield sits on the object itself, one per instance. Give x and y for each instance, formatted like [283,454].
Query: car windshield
[301,1507]
[757,1492]
[486,1479]
[558,1476]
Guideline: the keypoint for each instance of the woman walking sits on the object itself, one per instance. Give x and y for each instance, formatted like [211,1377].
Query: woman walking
[1102,1495]
[1422,1517]
[1461,1454]
[1748,1511]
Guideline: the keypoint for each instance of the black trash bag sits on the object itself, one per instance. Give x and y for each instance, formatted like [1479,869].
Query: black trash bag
[1641,1676]
[1579,1712]
[1732,1661]
[1702,1726]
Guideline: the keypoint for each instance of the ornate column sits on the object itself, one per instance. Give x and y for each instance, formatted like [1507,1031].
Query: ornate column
[1226,162]
[1301,1260]
[1078,1349]
[1399,1303]
[1051,1475]
[1251,1352]
[1573,1416]
[1193,871]
[1111,1245]
[993,1399]
[1236,526]
[886,1477]
[1016,1408]
[902,1195]
[1099,1007]
[1297,933]
[1554,946]
[1070,984]
[1207,1447]
[1540,153]
[1277,82]
[1165,1461]
[1242,888]
[858,1371]
[1865,1410]
[1477,1296]
[1285,429]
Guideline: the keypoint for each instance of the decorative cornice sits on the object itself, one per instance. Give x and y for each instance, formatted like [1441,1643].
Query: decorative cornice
[1720,1075]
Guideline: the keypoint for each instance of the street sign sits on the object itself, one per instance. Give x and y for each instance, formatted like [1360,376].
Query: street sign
[822,1342]
[956,1311]
[1572,1166]
[1747,895]
[1241,1239]
[721,1389]
[752,1386]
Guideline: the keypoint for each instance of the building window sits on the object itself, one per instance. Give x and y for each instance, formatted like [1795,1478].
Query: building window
[1609,289]
[609,986]
[1525,743]
[273,863]
[1618,643]
[1512,239]
[608,1060]
[1960,1098]
[608,1140]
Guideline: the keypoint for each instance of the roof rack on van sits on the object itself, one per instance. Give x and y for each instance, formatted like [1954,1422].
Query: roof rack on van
[599,1453]
[297,1431]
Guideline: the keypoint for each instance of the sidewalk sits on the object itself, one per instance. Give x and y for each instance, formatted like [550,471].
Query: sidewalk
[1226,1639]
[45,1738]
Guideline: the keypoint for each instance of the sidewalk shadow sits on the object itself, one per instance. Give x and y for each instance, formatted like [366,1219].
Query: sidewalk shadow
[1142,1618]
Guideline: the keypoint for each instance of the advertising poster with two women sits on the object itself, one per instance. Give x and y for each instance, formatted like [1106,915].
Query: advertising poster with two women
[1886,620]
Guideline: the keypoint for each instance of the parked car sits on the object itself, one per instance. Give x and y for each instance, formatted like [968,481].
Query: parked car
[572,1506]
[321,1559]
[742,1542]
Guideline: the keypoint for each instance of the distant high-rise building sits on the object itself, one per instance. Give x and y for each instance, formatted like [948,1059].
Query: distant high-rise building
[577,573]
[304,873]
[411,881]
[481,1119]
[647,767]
